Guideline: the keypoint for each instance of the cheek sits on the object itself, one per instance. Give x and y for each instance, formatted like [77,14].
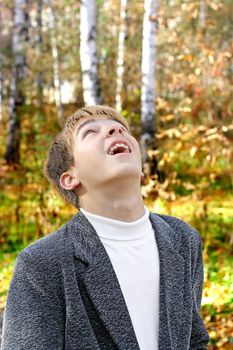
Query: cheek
[88,162]
[138,151]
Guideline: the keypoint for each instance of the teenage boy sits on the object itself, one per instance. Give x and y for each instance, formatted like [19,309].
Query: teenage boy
[115,277]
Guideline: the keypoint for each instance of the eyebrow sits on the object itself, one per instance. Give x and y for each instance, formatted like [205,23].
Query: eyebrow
[83,124]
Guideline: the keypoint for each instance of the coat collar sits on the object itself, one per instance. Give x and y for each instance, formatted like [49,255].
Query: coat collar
[102,285]
[171,282]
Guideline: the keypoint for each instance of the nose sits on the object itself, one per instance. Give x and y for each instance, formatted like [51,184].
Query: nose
[114,129]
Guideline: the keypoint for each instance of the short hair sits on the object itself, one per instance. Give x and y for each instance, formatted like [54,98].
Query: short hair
[60,156]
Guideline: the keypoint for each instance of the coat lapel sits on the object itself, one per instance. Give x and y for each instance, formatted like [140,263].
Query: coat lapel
[101,283]
[171,284]
[103,288]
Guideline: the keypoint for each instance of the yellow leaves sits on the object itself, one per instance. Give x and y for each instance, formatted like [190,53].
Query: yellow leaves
[225,129]
[215,5]
[227,54]
[215,294]
[171,58]
[190,7]
[187,58]
[213,176]
[216,307]
[166,159]
[202,128]
[148,188]
[193,151]
[169,196]
[197,71]
[178,146]
[162,104]
[185,109]
[187,100]
[211,131]
[184,106]
[167,118]
[6,270]
[212,334]
[211,58]
[180,57]
[215,137]
[188,186]
[170,133]
[219,324]
[201,142]
[173,132]
[192,79]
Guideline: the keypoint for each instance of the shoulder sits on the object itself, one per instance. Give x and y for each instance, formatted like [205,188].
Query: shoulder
[181,235]
[181,226]
[48,252]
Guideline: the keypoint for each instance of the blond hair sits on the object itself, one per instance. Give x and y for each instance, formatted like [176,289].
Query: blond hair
[60,156]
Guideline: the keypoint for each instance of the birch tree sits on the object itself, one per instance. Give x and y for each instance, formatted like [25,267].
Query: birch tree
[1,85]
[56,63]
[148,76]
[1,71]
[88,52]
[202,13]
[17,94]
[121,51]
[38,44]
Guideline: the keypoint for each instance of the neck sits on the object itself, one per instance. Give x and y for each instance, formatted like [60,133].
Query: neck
[120,202]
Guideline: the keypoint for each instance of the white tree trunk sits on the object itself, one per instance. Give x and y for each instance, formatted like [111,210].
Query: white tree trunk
[202,13]
[1,72]
[38,44]
[121,50]
[1,85]
[17,95]
[88,52]
[148,74]
[56,63]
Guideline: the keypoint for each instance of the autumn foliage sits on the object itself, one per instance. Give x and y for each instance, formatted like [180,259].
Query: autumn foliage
[190,164]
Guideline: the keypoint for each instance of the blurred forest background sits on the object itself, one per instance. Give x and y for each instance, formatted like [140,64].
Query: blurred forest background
[168,68]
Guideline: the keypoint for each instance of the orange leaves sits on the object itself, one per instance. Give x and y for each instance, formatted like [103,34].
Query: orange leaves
[167,118]
[170,133]
[187,58]
[162,105]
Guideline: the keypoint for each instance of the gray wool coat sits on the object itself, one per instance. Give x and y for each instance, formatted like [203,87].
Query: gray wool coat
[64,293]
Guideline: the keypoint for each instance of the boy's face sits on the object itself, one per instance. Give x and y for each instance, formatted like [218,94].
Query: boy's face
[104,151]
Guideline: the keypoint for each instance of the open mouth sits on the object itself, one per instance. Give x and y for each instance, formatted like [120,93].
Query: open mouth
[119,148]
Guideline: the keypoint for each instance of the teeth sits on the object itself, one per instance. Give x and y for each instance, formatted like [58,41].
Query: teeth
[112,149]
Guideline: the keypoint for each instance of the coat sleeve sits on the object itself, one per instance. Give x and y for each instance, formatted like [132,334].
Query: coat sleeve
[199,336]
[33,317]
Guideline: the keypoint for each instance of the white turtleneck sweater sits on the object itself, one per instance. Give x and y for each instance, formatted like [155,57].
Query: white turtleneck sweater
[133,252]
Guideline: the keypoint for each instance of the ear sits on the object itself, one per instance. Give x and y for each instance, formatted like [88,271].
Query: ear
[69,181]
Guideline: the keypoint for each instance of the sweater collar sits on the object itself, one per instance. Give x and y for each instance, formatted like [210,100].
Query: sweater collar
[119,230]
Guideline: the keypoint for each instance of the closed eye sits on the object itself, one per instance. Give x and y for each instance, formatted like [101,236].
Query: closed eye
[88,131]
[125,130]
